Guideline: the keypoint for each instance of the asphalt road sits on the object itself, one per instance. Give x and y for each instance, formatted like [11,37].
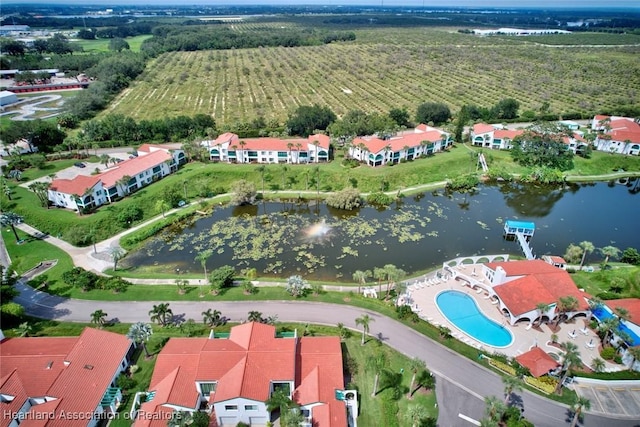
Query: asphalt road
[461,387]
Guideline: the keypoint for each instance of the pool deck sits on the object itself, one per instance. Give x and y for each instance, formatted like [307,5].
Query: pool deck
[423,292]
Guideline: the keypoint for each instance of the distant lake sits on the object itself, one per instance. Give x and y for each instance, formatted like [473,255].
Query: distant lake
[416,233]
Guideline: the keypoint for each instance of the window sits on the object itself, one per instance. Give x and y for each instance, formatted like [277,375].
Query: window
[230,407]
[250,407]
[207,388]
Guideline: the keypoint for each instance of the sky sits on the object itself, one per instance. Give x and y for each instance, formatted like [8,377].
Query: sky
[564,4]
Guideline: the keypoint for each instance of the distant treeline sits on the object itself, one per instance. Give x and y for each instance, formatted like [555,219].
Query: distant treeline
[170,38]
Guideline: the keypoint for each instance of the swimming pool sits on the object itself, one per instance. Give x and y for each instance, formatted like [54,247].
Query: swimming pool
[461,310]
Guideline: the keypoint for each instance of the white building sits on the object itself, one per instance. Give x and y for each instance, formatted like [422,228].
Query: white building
[619,135]
[7,98]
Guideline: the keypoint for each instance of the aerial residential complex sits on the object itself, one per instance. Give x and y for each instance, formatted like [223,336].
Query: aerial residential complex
[86,192]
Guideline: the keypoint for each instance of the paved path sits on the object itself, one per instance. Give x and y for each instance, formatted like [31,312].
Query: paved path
[465,382]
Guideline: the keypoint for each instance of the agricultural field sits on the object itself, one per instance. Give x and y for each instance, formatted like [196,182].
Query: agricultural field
[384,69]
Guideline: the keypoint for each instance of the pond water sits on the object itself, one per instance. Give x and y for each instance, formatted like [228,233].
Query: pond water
[417,233]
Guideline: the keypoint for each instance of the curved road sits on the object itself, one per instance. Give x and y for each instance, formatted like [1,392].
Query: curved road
[461,384]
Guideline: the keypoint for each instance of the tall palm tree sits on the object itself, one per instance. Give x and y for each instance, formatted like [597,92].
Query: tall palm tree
[364,320]
[494,408]
[99,317]
[570,358]
[393,275]
[140,333]
[161,313]
[117,254]
[360,277]
[542,308]
[262,169]
[203,257]
[290,147]
[212,318]
[415,365]
[511,385]
[416,414]
[565,305]
[284,168]
[376,362]
[597,364]
[11,219]
[581,403]
[298,149]
[587,247]
[608,252]
[242,144]
[634,352]
[124,183]
[105,159]
[379,273]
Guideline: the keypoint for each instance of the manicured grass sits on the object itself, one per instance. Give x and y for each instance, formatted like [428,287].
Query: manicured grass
[599,283]
[32,251]
[385,68]
[102,45]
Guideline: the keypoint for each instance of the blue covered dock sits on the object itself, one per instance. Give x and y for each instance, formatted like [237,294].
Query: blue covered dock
[525,227]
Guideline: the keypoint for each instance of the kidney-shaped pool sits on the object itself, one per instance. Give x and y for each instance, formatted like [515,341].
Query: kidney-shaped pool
[461,310]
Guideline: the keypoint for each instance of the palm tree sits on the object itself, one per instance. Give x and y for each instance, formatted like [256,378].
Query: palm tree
[161,313]
[316,170]
[24,329]
[495,408]
[379,273]
[105,159]
[415,414]
[140,333]
[212,318]
[415,365]
[587,247]
[11,219]
[634,352]
[254,316]
[542,308]
[571,357]
[298,149]
[364,320]
[124,183]
[262,169]
[162,205]
[360,277]
[117,254]
[242,145]
[98,317]
[597,364]
[290,147]
[565,305]
[608,252]
[279,400]
[203,257]
[393,275]
[511,385]
[581,403]
[285,168]
[376,362]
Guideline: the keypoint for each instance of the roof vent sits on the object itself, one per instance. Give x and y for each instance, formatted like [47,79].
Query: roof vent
[50,364]
[89,367]
[67,363]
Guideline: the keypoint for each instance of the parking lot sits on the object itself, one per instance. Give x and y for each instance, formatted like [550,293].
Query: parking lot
[610,397]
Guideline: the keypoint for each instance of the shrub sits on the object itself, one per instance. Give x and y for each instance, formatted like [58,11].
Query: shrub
[347,199]
[502,367]
[125,383]
[463,182]
[541,384]
[297,286]
[608,353]
[379,199]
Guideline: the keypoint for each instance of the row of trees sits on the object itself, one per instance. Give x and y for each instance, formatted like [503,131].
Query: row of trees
[212,36]
[58,44]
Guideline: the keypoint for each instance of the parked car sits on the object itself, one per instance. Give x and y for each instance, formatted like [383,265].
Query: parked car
[79,165]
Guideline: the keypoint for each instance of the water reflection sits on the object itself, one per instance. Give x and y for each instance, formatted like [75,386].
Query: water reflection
[534,200]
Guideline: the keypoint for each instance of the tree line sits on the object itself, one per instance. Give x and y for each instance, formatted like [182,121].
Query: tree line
[170,38]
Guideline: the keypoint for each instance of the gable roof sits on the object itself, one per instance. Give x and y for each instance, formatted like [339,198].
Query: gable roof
[132,167]
[507,133]
[632,305]
[79,185]
[480,128]
[534,282]
[376,145]
[74,371]
[537,361]
[272,144]
[245,364]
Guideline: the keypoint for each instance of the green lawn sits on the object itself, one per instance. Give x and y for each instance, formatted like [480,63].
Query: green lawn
[601,283]
[102,45]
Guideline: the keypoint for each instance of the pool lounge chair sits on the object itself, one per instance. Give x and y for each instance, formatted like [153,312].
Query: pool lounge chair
[572,335]
[590,345]
[585,331]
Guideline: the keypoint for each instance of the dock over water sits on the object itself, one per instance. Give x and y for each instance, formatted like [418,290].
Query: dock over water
[522,231]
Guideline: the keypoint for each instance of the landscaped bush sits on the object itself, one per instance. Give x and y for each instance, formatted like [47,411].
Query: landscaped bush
[379,199]
[463,182]
[347,199]
[502,367]
[541,384]
[608,353]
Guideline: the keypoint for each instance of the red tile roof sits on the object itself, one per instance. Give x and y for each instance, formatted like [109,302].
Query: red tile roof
[79,385]
[507,133]
[244,366]
[376,145]
[557,259]
[632,305]
[148,148]
[79,185]
[273,144]
[534,282]
[133,167]
[537,361]
[480,128]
